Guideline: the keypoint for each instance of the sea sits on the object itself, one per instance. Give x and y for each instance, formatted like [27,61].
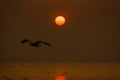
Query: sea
[59,71]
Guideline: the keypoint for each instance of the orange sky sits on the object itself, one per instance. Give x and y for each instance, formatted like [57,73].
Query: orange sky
[91,32]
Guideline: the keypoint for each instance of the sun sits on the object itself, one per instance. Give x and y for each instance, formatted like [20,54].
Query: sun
[60,20]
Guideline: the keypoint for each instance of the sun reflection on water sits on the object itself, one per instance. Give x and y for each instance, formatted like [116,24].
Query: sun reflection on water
[59,77]
[61,74]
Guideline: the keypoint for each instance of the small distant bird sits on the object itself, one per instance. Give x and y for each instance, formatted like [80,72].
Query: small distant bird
[35,44]
[62,74]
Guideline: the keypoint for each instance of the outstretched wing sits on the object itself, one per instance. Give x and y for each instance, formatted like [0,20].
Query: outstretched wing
[24,41]
[42,42]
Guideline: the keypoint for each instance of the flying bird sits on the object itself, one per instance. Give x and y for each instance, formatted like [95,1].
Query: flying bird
[35,44]
[61,74]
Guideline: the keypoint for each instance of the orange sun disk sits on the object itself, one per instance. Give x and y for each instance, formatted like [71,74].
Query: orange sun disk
[59,20]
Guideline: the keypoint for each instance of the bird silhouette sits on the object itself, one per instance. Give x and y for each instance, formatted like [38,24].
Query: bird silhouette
[35,44]
[62,74]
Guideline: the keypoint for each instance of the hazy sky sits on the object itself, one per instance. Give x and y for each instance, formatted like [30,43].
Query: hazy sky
[91,32]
